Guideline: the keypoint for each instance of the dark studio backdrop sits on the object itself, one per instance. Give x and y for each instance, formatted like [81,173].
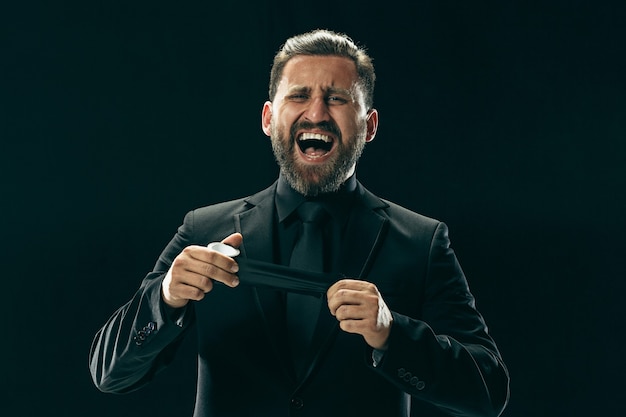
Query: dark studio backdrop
[505,119]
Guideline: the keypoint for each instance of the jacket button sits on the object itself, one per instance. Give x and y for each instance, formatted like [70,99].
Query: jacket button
[420,385]
[401,372]
[297,403]
[148,328]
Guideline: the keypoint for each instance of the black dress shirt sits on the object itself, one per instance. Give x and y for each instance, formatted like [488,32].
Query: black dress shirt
[337,204]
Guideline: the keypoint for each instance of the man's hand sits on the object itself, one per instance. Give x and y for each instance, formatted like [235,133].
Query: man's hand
[360,309]
[193,271]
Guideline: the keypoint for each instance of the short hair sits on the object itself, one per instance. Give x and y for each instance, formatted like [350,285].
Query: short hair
[325,42]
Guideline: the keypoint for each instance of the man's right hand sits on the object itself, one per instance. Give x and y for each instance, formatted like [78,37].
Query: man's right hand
[193,271]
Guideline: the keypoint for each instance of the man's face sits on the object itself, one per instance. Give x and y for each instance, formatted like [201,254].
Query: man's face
[318,123]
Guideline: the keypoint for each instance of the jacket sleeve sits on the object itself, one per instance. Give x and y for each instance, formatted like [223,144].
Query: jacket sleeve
[142,336]
[445,357]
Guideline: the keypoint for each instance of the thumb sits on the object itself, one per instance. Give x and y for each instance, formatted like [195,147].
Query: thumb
[234,240]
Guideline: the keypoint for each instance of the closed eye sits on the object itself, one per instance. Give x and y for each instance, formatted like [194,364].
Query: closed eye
[337,100]
[298,97]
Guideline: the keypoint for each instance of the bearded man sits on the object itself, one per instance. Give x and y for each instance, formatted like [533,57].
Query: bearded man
[322,299]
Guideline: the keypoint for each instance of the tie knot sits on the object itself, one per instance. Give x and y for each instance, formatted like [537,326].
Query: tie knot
[311,212]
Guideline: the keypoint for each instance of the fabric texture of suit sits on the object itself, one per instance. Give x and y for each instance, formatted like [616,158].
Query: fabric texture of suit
[440,359]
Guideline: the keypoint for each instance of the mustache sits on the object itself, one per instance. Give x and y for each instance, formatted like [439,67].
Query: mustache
[327,126]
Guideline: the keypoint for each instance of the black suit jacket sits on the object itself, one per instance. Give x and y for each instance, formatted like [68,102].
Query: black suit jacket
[440,360]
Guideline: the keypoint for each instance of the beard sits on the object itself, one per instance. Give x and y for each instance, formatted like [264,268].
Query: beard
[313,180]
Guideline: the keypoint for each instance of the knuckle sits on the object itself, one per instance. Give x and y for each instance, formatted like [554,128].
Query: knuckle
[204,282]
[348,326]
[212,256]
[344,283]
[209,270]
[343,293]
[197,294]
[179,262]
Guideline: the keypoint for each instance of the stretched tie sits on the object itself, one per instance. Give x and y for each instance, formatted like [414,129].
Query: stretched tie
[307,254]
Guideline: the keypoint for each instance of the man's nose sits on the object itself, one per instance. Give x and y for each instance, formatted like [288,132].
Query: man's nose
[317,111]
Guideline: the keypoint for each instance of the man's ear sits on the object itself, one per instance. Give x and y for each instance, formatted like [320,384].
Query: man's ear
[372,125]
[266,118]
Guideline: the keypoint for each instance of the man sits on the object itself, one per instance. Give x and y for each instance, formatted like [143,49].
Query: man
[394,330]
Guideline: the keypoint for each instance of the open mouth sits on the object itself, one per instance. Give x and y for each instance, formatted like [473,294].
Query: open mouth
[315,145]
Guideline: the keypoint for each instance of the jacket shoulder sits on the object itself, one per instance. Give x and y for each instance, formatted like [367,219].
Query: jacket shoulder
[219,209]
[401,213]
[396,214]
[235,206]
[393,211]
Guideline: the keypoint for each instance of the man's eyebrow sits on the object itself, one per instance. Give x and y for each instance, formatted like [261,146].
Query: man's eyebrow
[336,90]
[329,90]
[298,89]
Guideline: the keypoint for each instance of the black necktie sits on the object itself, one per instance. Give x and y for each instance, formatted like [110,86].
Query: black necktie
[307,254]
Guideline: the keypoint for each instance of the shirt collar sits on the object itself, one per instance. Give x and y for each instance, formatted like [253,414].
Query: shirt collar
[337,204]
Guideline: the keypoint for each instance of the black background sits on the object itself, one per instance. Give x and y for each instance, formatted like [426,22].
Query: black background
[505,119]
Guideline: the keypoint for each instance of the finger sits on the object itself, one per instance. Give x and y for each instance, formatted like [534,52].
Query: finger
[217,273]
[350,284]
[189,271]
[235,240]
[177,290]
[341,297]
[350,312]
[362,327]
[357,306]
[200,281]
[366,301]
[197,266]
[226,262]
[188,292]
[211,264]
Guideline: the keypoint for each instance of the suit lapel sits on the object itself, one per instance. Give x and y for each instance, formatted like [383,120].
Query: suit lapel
[365,231]
[256,226]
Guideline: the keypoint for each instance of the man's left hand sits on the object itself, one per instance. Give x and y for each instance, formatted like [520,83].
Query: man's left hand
[360,309]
